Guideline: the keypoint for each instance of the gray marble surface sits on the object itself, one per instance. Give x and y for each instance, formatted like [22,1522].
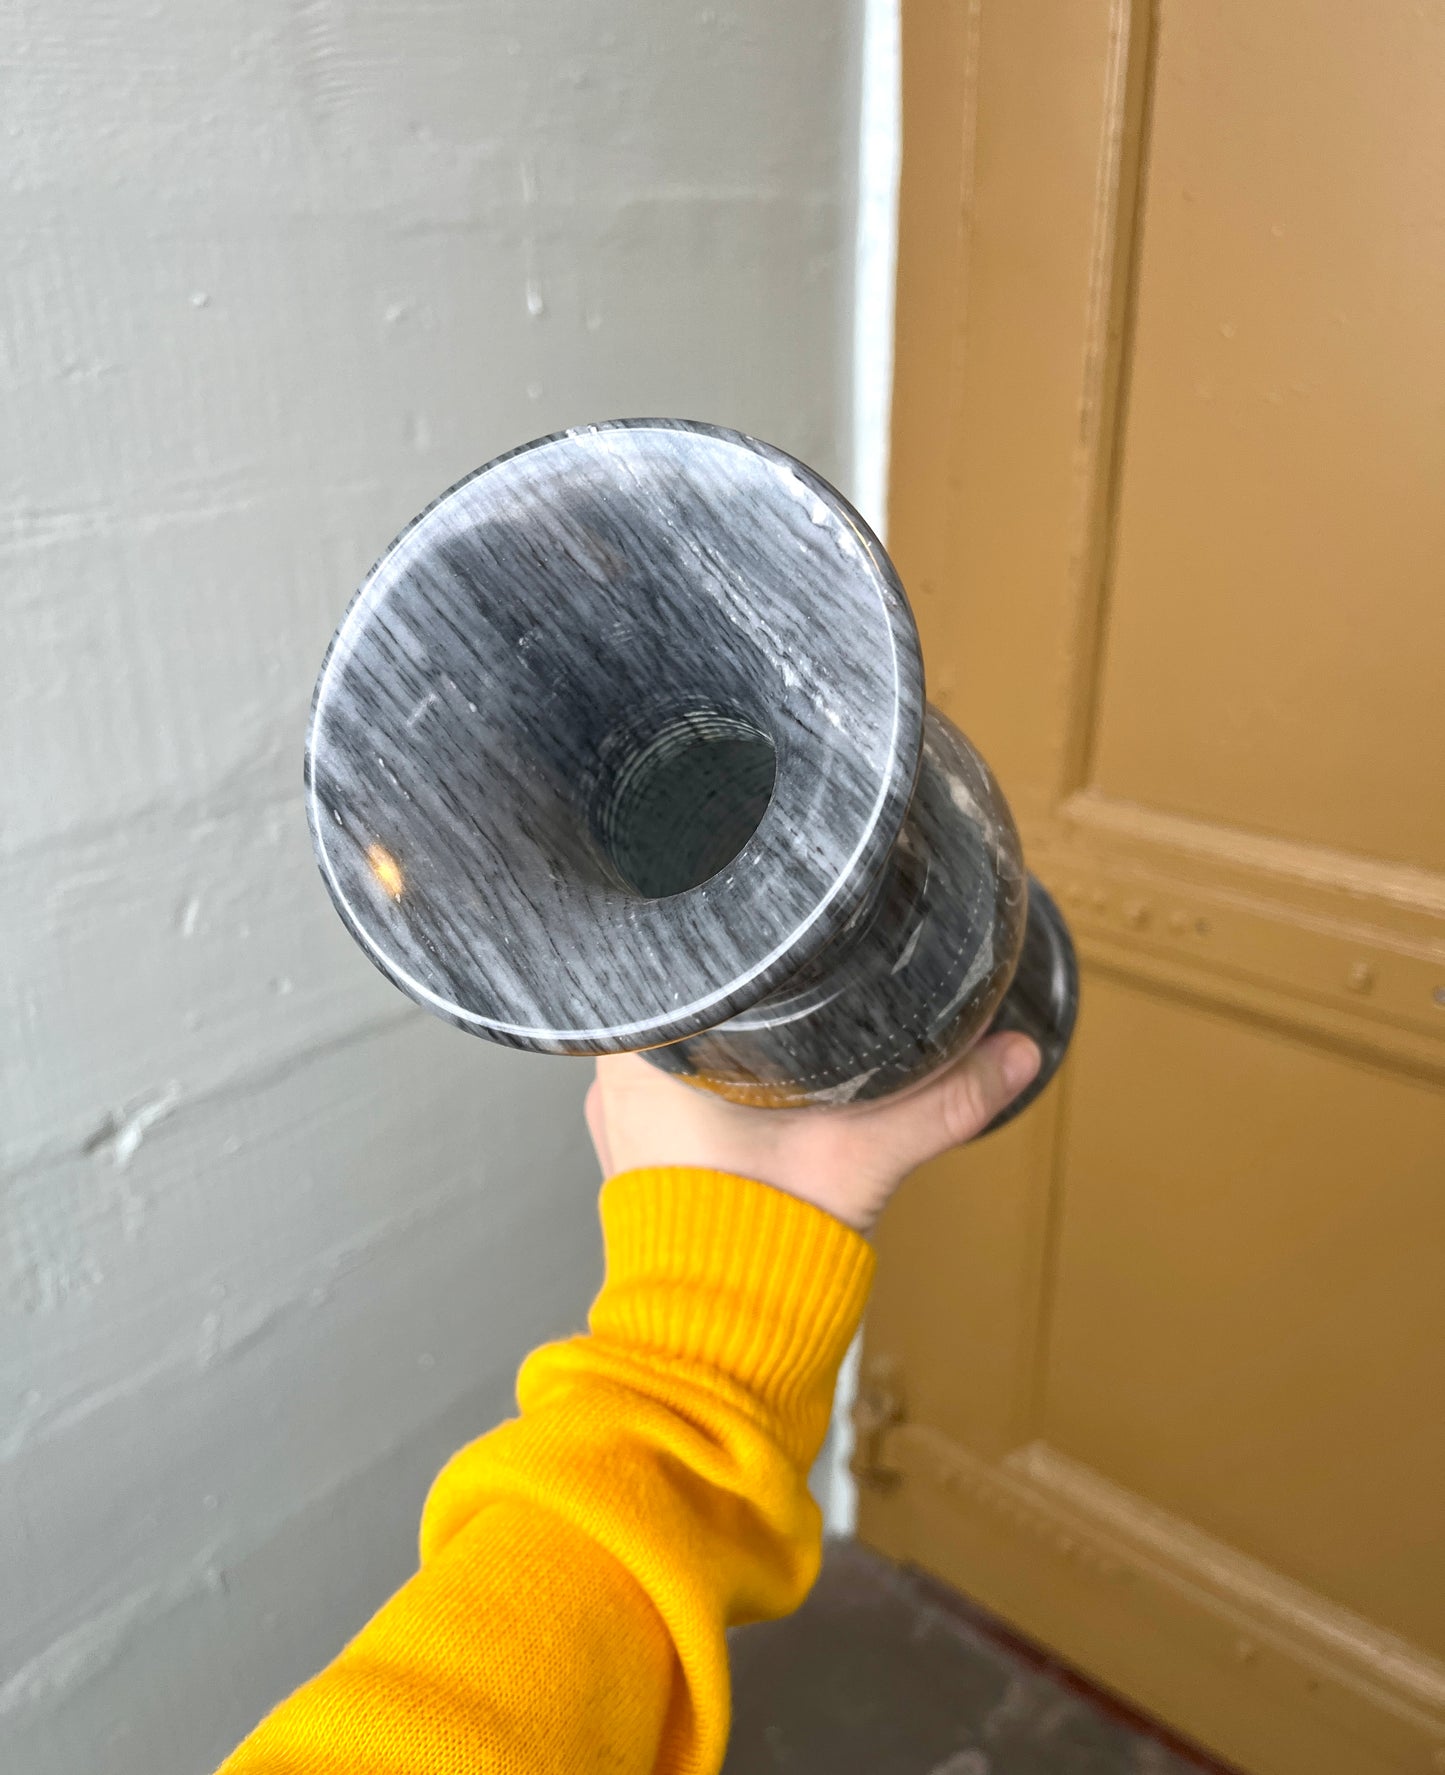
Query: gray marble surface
[914,978]
[623,745]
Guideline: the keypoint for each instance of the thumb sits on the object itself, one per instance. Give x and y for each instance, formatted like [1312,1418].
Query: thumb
[964,1100]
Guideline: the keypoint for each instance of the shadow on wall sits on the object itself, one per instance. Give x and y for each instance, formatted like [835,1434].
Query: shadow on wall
[276,1242]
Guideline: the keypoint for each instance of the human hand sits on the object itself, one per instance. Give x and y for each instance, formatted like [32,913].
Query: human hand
[846,1160]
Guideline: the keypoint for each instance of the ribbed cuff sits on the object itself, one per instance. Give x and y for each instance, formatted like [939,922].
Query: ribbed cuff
[703,1266]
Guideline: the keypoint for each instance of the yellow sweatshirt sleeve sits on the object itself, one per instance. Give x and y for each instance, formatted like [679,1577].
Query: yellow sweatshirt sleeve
[580,1563]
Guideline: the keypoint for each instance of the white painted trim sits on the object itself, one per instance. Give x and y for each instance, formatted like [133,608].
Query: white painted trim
[833,1484]
[880,144]
[880,141]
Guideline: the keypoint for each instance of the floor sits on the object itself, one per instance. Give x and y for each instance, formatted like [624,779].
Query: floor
[883,1672]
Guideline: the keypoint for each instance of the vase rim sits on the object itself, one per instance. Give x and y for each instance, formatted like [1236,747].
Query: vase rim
[664,564]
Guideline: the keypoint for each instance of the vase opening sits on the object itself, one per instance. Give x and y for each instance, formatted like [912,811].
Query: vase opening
[683,798]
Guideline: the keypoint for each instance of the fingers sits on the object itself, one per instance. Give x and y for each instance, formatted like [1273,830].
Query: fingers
[984,1083]
[962,1103]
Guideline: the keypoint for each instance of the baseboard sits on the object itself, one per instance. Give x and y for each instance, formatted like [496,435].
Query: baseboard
[1261,1671]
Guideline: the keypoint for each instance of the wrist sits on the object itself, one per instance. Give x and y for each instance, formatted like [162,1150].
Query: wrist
[710,1267]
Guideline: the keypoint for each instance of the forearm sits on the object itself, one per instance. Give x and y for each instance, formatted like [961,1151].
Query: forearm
[580,1563]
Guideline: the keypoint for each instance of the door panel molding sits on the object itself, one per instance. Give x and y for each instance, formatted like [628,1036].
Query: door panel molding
[1108,334]
[1356,945]
[1254,1660]
[1332,949]
[1247,855]
[1257,1001]
[1029,132]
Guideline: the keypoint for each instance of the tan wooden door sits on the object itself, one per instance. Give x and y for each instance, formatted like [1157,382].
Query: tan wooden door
[1162,1366]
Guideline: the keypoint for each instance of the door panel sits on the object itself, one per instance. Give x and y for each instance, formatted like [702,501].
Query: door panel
[1275,624]
[1262,1361]
[1157,1372]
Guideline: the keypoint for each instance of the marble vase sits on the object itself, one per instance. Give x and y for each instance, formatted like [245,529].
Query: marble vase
[623,745]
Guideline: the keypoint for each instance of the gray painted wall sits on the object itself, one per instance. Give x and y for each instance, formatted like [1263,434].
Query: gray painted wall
[273,276]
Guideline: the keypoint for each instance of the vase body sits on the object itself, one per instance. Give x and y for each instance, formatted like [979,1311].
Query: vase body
[623,746]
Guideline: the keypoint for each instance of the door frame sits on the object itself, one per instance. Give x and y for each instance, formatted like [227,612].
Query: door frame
[1025,127]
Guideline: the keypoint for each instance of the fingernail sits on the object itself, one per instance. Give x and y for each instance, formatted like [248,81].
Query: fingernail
[1020,1063]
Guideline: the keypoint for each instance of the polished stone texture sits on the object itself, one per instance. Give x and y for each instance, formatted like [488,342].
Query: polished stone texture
[917,974]
[623,743]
